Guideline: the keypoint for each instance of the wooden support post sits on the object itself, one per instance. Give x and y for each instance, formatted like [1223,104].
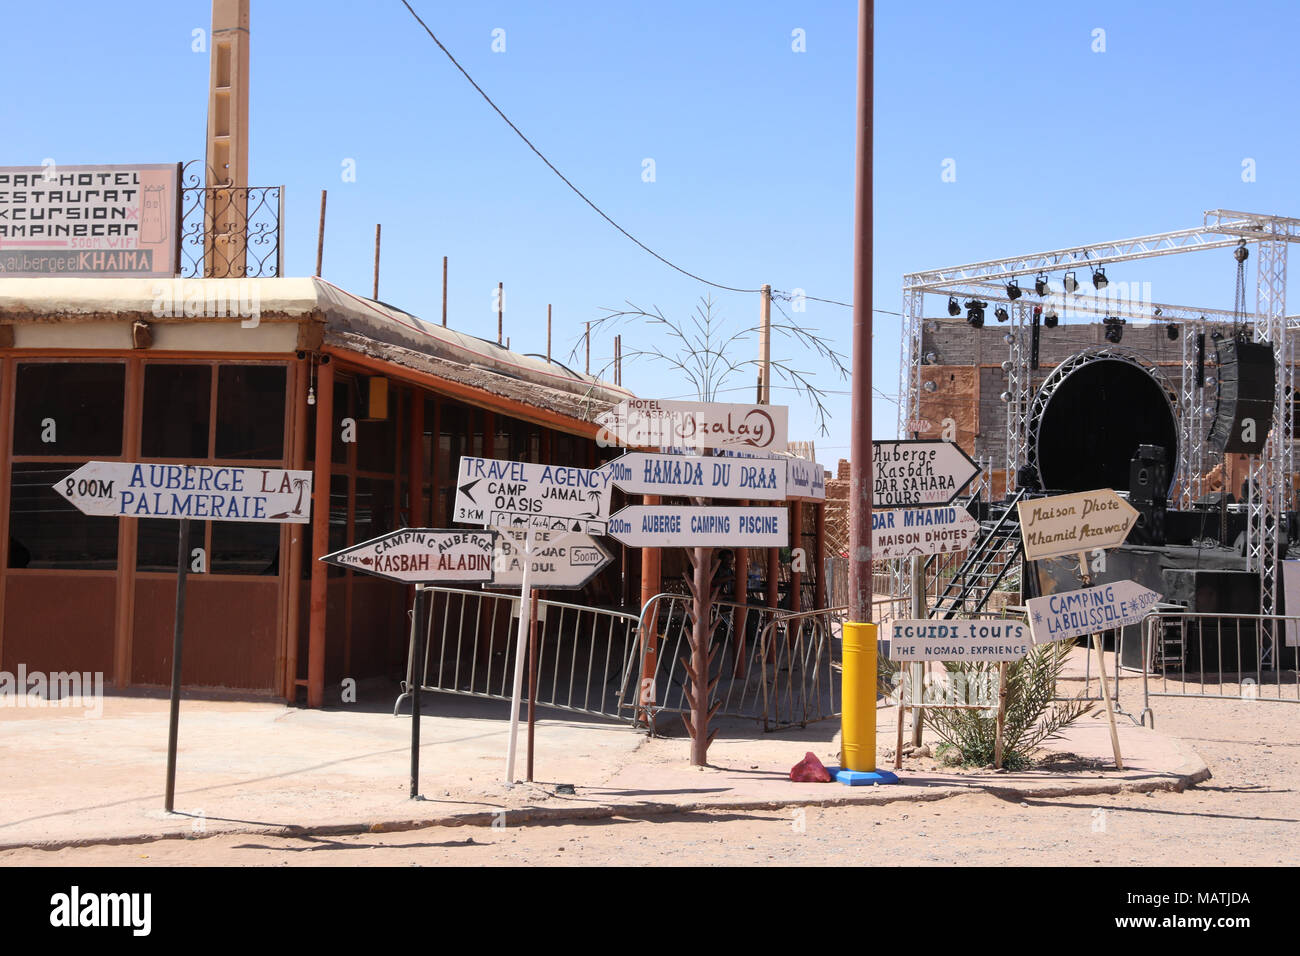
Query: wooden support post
[651,584]
[320,533]
[501,311]
[297,533]
[378,233]
[1101,671]
[548,332]
[819,598]
[796,577]
[320,235]
[587,339]
[444,292]
[741,594]
[1002,715]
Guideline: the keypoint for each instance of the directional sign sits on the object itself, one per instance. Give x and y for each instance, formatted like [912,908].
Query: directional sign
[649,423]
[491,492]
[1088,610]
[561,559]
[1068,524]
[668,526]
[422,556]
[805,480]
[759,479]
[206,492]
[903,532]
[905,474]
[959,641]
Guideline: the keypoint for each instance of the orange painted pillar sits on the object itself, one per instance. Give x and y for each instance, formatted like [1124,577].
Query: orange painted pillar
[320,532]
[820,548]
[796,541]
[651,584]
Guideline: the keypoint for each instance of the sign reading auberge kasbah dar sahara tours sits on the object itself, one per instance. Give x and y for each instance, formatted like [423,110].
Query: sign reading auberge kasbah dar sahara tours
[104,221]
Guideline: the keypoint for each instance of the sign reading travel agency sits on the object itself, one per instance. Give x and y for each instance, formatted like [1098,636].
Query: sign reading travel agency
[1058,617]
[905,473]
[959,641]
[520,494]
[206,492]
[758,479]
[651,423]
[668,526]
[1069,524]
[98,221]
[421,556]
[903,532]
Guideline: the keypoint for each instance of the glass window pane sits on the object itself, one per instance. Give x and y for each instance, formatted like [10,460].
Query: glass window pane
[240,547]
[377,446]
[77,404]
[45,531]
[177,409]
[250,412]
[156,540]
[374,509]
[338,521]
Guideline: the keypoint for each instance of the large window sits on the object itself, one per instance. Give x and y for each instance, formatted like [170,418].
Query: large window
[45,531]
[177,411]
[250,412]
[69,409]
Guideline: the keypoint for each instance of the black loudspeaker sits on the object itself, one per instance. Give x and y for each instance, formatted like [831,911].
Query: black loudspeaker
[1149,529]
[1244,414]
[1148,476]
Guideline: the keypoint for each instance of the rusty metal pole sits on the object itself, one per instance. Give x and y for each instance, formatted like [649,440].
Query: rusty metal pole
[532,681]
[320,532]
[548,332]
[320,235]
[444,292]
[501,309]
[378,233]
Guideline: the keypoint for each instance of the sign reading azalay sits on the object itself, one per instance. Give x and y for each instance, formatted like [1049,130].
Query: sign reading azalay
[651,423]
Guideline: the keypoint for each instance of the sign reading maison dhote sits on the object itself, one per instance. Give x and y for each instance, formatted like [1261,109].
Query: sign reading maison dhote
[906,473]
[422,556]
[560,559]
[1069,524]
[209,492]
[805,480]
[759,479]
[667,526]
[89,220]
[665,424]
[1057,617]
[903,532]
[519,494]
[959,641]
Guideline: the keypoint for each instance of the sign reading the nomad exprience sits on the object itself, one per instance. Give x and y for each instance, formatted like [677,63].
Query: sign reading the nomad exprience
[1068,524]
[959,641]
[652,423]
[88,220]
[905,474]
[189,491]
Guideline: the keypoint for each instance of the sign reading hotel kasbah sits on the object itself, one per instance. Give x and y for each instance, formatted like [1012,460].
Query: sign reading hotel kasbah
[101,221]
[127,489]
[651,423]
[1068,524]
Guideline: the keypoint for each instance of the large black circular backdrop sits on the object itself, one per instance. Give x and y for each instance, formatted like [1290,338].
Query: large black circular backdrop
[1094,422]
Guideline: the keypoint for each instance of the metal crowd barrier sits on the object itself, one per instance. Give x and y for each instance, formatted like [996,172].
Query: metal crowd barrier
[583,653]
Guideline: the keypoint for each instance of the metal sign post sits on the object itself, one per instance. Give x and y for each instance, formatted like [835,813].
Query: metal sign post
[178,637]
[521,653]
[418,634]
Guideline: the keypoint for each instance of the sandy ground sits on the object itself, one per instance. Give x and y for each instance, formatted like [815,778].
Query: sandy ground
[1247,814]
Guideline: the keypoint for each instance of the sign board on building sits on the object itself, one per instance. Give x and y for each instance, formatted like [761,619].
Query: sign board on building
[1069,524]
[1058,617]
[758,479]
[422,556]
[805,480]
[491,492]
[906,474]
[959,641]
[98,221]
[652,423]
[203,492]
[561,559]
[673,526]
[903,532]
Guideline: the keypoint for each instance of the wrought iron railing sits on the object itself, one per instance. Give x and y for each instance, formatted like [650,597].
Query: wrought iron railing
[249,246]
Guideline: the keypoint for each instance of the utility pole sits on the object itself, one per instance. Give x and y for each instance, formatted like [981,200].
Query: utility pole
[765,347]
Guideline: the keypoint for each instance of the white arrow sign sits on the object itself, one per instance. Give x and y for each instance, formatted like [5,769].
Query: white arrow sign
[204,492]
[1068,524]
[670,526]
[1057,617]
[561,559]
[421,556]
[759,479]
[959,641]
[805,480]
[650,423]
[901,533]
[520,494]
[905,474]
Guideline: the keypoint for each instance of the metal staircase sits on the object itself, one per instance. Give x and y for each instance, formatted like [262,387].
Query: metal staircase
[995,553]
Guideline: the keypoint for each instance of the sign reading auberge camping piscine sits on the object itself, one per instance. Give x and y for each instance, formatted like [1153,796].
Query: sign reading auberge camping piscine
[104,221]
[656,423]
[206,492]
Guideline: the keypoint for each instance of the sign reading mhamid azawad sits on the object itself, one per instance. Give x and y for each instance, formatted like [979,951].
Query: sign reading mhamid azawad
[101,221]
[1068,524]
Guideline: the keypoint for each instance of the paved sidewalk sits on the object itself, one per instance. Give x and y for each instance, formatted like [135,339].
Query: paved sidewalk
[263,767]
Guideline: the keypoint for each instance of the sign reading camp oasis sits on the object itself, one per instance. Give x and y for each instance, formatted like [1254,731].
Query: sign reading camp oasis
[1068,524]
[663,424]
[189,491]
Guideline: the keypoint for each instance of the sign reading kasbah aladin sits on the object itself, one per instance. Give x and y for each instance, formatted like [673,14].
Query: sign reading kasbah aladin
[209,492]
[422,556]
[909,473]
[903,532]
[492,492]
[641,473]
[654,423]
[959,640]
[1058,617]
[1069,524]
[560,559]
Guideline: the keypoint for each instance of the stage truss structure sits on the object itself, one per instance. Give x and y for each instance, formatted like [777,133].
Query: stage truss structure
[1271,488]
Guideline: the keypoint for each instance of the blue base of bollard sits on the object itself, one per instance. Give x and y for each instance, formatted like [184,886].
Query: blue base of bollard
[862,778]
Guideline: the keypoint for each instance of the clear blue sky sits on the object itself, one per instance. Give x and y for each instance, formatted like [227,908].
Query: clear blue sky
[1054,144]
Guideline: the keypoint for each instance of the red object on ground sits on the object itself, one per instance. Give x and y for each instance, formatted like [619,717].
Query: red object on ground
[810,770]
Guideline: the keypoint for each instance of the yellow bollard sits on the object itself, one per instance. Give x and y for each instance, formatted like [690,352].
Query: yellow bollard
[858,737]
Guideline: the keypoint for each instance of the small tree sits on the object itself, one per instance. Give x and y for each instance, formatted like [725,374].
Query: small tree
[705,354]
